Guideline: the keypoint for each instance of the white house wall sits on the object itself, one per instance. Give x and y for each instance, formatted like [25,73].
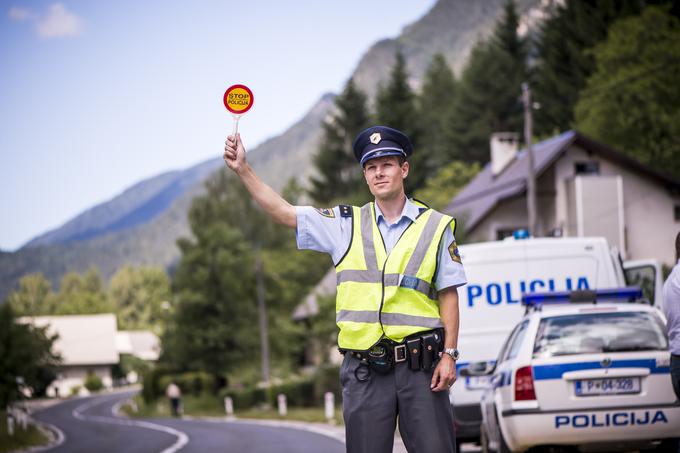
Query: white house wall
[650,226]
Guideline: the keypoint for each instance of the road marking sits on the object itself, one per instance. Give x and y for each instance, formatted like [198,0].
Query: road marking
[182,438]
[60,437]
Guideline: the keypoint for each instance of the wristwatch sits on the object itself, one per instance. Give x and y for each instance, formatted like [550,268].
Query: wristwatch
[453,352]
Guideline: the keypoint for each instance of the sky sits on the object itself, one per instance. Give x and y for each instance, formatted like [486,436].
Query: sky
[96,96]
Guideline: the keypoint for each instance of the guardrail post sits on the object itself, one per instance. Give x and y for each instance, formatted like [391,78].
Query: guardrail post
[283,407]
[10,424]
[329,406]
[229,406]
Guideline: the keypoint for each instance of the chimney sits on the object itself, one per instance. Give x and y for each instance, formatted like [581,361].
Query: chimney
[504,147]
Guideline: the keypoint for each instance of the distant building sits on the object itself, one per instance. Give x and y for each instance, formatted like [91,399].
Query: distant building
[142,344]
[87,345]
[584,188]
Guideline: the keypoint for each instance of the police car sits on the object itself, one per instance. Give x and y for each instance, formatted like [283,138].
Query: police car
[593,375]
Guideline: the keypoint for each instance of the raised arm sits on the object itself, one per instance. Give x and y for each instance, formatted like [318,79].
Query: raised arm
[273,204]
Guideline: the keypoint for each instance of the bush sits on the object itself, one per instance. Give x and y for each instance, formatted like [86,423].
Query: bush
[93,382]
[150,387]
[307,391]
[248,397]
[195,383]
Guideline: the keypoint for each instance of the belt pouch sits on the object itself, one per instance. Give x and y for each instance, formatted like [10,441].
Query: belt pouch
[414,352]
[380,359]
[429,350]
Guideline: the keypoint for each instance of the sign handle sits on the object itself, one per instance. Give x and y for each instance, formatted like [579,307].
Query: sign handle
[235,130]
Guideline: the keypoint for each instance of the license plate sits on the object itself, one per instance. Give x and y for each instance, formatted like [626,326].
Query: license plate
[608,386]
[477,382]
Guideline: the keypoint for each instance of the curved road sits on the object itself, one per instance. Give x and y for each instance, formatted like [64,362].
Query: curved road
[89,425]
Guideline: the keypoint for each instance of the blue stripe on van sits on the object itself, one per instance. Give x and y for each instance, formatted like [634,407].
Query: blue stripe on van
[555,371]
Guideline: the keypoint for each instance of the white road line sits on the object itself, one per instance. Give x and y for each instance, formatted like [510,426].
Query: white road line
[182,438]
[60,437]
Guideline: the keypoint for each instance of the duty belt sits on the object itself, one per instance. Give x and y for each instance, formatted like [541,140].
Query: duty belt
[420,350]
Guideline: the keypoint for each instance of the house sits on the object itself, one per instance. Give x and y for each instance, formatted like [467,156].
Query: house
[584,188]
[87,345]
[142,344]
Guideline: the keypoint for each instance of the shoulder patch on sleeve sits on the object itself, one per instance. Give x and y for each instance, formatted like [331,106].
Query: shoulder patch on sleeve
[326,212]
[455,254]
[345,210]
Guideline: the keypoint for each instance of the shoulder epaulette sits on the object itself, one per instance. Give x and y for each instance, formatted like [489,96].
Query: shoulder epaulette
[345,210]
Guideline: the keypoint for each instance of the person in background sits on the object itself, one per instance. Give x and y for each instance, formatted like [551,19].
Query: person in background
[174,394]
[671,308]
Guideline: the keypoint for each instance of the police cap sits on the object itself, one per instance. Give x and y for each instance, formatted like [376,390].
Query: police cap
[379,141]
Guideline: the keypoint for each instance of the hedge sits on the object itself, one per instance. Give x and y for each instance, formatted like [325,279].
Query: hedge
[306,391]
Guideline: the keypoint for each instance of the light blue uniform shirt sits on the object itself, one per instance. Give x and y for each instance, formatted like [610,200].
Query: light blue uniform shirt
[671,308]
[324,230]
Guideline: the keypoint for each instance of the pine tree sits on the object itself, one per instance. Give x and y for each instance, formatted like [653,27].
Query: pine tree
[489,91]
[435,107]
[565,60]
[396,108]
[338,175]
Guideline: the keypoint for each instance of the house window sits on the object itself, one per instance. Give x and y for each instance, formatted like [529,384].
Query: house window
[677,212]
[587,168]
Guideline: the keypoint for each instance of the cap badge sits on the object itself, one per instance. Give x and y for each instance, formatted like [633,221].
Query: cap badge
[375,138]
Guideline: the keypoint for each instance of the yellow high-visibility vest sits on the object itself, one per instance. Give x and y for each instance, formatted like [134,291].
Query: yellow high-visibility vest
[388,295]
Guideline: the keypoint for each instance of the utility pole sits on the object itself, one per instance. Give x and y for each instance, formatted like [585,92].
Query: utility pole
[531,176]
[262,312]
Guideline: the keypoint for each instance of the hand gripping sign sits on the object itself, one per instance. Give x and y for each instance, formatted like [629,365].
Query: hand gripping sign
[238,99]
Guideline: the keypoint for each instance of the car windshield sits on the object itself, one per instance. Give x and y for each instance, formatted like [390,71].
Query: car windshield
[599,332]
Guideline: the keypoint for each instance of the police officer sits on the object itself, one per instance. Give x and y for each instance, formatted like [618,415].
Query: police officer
[398,270]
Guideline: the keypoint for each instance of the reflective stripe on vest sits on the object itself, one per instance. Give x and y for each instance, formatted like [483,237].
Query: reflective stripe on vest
[391,295]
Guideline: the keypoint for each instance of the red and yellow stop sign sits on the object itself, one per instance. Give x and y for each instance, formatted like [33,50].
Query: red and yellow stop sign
[238,99]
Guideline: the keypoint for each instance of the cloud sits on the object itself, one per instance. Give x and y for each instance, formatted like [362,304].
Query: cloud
[58,23]
[19,14]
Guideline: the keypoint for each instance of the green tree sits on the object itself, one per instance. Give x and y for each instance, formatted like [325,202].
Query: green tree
[82,294]
[489,91]
[26,357]
[396,108]
[338,175]
[564,61]
[214,285]
[632,101]
[448,181]
[137,296]
[435,109]
[34,297]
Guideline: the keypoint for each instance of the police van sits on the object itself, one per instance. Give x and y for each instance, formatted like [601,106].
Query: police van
[499,273]
[589,372]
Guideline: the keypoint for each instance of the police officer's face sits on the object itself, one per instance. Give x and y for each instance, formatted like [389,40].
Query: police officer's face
[385,177]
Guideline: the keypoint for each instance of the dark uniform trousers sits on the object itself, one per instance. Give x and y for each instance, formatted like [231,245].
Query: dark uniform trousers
[371,408]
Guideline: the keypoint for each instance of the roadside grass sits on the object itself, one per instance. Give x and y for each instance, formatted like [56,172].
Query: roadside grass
[31,437]
[207,406]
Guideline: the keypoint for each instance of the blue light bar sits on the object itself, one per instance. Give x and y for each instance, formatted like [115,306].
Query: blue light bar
[520,234]
[627,294]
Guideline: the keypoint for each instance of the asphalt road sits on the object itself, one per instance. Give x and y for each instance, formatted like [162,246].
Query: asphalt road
[89,425]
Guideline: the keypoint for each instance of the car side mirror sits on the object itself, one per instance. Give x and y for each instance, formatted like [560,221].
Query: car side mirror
[477,369]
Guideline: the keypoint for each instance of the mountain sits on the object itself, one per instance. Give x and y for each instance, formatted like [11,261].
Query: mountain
[141,225]
[451,27]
